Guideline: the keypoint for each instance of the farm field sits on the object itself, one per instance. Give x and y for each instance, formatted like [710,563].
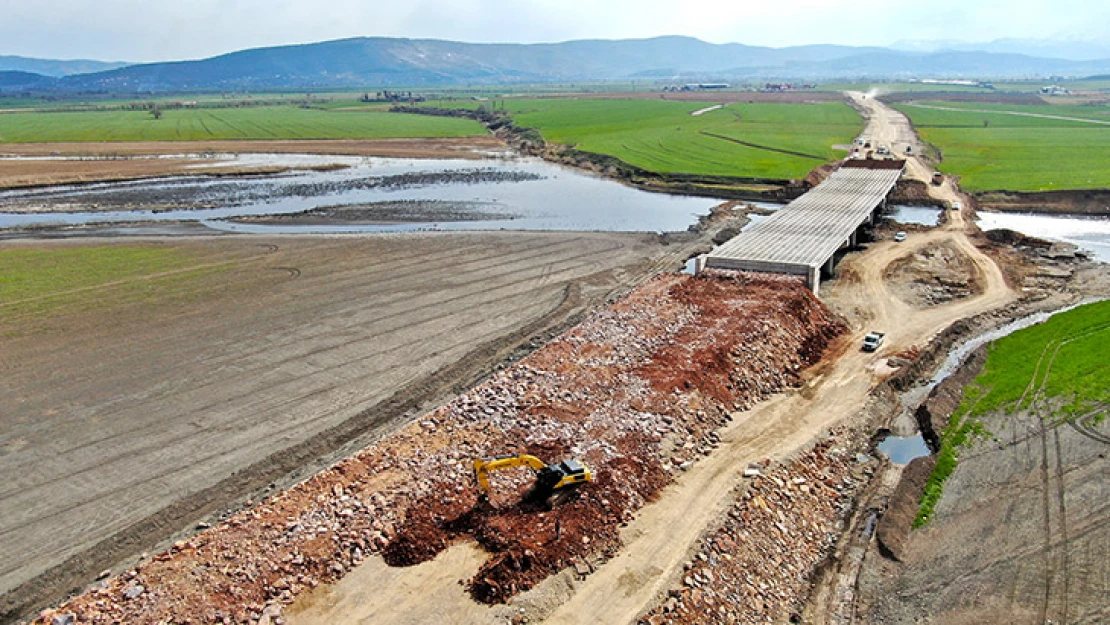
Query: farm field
[271,122]
[993,150]
[1021,532]
[758,140]
[1059,361]
[152,382]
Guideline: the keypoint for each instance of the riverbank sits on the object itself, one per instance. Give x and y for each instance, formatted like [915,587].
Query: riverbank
[29,165]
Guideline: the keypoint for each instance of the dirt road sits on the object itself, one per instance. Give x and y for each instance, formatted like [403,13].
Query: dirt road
[1085,120]
[659,539]
[131,412]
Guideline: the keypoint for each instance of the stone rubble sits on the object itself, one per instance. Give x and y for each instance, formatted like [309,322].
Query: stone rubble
[755,567]
[636,391]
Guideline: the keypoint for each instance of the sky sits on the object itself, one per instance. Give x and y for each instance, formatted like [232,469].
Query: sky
[149,30]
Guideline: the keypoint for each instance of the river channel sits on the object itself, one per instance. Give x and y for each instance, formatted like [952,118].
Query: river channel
[365,195]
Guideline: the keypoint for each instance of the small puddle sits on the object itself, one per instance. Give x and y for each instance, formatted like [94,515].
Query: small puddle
[923,215]
[903,449]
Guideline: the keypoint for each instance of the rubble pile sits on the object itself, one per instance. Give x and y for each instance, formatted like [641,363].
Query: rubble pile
[756,566]
[636,392]
[933,276]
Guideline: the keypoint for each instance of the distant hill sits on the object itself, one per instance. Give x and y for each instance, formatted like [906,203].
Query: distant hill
[955,64]
[48,67]
[1073,50]
[23,81]
[385,62]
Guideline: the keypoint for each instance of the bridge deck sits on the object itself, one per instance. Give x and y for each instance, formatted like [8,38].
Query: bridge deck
[804,234]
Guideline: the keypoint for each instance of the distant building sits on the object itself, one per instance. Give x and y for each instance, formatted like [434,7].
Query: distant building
[785,87]
[697,86]
[1055,90]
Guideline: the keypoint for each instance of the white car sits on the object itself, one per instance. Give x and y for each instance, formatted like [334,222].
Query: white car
[899,237]
[956,206]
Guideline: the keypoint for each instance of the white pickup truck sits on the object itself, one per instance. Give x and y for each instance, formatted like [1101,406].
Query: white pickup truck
[873,341]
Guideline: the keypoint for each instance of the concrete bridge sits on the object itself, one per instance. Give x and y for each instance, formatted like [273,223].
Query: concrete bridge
[803,237]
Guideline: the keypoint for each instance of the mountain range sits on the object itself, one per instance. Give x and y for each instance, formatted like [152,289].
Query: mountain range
[55,68]
[376,62]
[1067,49]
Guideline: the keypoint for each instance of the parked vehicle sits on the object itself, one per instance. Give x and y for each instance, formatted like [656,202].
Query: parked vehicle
[899,237]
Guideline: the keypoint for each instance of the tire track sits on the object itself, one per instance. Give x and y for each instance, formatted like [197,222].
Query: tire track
[54,582]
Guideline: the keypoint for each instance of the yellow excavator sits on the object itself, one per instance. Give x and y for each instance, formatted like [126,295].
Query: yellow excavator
[551,480]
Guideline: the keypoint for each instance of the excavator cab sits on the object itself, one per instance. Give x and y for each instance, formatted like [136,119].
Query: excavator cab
[551,480]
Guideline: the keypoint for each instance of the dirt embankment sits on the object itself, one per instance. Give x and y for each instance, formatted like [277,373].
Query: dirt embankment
[934,413]
[933,276]
[255,366]
[529,141]
[756,566]
[636,392]
[913,193]
[1089,202]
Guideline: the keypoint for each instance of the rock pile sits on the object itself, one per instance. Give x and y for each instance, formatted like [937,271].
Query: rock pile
[756,567]
[636,392]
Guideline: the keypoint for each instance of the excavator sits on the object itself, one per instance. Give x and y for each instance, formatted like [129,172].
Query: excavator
[553,482]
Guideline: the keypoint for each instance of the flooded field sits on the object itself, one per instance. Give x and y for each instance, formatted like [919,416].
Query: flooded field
[356,194]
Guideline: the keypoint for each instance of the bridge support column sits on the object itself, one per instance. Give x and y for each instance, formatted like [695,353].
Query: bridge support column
[813,279]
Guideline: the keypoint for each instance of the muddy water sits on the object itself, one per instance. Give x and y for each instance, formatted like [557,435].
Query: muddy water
[902,449]
[507,193]
[923,215]
[1089,233]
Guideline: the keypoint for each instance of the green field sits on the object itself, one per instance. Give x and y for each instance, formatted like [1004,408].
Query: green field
[663,136]
[37,283]
[262,122]
[995,151]
[1061,362]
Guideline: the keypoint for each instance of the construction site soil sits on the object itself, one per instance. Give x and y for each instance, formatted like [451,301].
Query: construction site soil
[256,362]
[635,391]
[932,276]
[991,553]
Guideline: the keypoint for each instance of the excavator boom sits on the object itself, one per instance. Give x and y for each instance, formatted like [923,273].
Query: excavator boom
[549,478]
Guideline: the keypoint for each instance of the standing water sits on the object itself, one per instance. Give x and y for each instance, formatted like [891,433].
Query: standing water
[1088,233]
[388,195]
